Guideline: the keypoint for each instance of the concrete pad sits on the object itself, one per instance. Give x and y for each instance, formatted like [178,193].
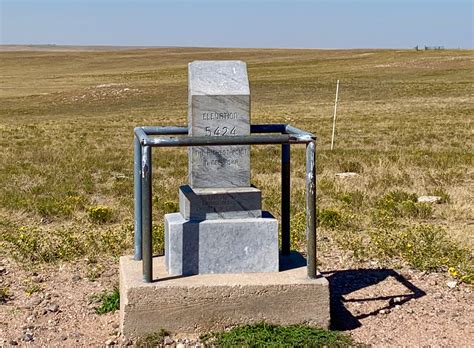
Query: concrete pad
[205,302]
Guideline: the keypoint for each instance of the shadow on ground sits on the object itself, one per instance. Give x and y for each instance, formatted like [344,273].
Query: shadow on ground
[342,283]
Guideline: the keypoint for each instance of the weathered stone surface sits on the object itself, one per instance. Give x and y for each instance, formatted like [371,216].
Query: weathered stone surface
[220,203]
[208,302]
[219,105]
[221,246]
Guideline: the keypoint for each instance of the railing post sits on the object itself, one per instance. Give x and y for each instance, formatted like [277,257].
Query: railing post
[137,187]
[147,215]
[143,183]
[285,199]
[311,208]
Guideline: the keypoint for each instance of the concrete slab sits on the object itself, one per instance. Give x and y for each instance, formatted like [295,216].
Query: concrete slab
[201,303]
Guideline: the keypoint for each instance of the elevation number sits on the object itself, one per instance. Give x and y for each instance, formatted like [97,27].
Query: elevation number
[220,131]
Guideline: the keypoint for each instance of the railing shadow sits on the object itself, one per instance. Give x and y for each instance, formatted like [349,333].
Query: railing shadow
[344,282]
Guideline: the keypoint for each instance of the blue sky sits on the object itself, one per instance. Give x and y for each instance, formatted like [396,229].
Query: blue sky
[244,23]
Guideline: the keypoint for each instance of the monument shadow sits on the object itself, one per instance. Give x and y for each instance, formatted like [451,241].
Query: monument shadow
[190,256]
[344,282]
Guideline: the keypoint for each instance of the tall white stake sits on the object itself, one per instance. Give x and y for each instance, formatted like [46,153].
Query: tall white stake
[334,117]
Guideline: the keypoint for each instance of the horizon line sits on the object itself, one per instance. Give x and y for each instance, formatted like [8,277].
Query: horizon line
[107,46]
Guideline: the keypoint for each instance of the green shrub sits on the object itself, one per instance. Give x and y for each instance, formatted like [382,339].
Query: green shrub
[415,210]
[109,301]
[39,244]
[268,335]
[158,235]
[440,192]
[354,240]
[354,199]
[170,207]
[398,196]
[329,218]
[424,247]
[50,206]
[298,231]
[100,214]
[401,204]
[112,240]
[428,247]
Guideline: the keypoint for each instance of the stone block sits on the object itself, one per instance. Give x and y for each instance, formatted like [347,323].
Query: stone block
[219,105]
[221,246]
[220,203]
[201,303]
[218,77]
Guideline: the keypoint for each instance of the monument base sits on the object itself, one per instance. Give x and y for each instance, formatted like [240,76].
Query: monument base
[220,203]
[221,245]
[207,302]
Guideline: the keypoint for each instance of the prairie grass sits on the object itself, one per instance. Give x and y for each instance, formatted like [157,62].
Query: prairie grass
[268,335]
[404,125]
[109,301]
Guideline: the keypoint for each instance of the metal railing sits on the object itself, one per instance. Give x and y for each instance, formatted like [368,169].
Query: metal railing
[145,139]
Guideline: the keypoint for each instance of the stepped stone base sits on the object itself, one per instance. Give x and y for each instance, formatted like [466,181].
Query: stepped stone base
[221,245]
[220,203]
[205,302]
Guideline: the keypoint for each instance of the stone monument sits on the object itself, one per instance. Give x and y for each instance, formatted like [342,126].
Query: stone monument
[220,227]
[221,265]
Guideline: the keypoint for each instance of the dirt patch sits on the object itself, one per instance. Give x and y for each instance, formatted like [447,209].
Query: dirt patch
[52,307]
[375,305]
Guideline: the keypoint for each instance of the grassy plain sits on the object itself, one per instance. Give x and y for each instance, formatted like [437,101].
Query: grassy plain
[404,125]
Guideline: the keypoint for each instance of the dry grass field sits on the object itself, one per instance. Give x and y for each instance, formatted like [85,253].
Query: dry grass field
[404,125]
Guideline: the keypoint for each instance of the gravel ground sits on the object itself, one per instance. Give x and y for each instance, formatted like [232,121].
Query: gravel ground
[383,307]
[375,305]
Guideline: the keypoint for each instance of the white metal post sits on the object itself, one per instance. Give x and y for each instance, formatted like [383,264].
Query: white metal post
[334,116]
